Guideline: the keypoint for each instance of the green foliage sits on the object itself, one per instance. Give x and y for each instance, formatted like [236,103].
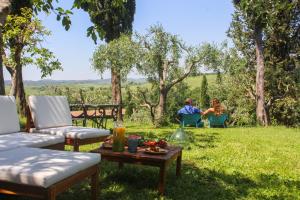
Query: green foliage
[219,78]
[121,54]
[26,31]
[204,97]
[159,47]
[43,6]
[129,103]
[231,163]
[286,111]
[162,55]
[110,17]
[176,98]
[140,116]
[279,21]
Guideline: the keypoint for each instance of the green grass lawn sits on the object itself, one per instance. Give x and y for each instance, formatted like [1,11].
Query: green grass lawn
[232,163]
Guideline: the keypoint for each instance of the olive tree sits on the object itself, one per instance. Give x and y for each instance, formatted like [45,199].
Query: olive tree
[266,34]
[22,36]
[120,56]
[4,11]
[111,19]
[165,61]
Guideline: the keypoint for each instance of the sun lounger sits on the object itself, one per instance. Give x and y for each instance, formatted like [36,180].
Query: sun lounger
[43,173]
[51,115]
[10,135]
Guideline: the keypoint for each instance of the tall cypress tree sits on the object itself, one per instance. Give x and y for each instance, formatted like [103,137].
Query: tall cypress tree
[204,97]
[219,78]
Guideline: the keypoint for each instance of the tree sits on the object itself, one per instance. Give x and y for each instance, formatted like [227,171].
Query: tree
[160,62]
[119,55]
[111,18]
[282,53]
[4,11]
[22,37]
[204,97]
[253,14]
[219,77]
[7,6]
[269,30]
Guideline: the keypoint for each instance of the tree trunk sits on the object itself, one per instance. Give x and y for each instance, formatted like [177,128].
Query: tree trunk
[261,114]
[4,11]
[116,89]
[2,85]
[13,89]
[17,89]
[162,107]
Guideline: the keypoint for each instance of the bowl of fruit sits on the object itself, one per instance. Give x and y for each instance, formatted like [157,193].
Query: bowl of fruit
[156,147]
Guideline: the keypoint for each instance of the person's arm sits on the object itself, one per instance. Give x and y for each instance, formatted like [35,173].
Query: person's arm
[208,111]
[197,110]
[201,112]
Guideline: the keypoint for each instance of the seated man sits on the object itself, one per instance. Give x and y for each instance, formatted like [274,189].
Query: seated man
[189,115]
[189,108]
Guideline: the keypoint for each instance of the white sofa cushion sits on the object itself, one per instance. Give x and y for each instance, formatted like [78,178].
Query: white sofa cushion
[42,167]
[16,140]
[9,120]
[75,132]
[50,111]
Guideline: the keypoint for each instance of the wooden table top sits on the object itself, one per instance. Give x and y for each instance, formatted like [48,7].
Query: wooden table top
[140,154]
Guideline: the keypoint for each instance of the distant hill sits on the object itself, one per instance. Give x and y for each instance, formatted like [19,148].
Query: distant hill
[68,82]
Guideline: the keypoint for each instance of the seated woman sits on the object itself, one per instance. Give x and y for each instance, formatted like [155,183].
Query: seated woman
[216,115]
[216,108]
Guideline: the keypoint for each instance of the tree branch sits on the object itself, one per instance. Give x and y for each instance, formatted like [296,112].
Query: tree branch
[189,69]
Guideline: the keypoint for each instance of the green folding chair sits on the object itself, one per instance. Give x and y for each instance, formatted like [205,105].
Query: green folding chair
[191,120]
[217,121]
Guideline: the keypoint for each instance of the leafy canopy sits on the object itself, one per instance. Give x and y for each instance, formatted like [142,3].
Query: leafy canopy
[27,32]
[121,54]
[110,17]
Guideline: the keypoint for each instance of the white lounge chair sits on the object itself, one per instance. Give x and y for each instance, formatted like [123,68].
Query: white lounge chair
[51,115]
[43,173]
[10,135]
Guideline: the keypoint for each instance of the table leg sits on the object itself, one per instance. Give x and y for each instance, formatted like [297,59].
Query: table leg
[76,145]
[95,185]
[162,179]
[178,165]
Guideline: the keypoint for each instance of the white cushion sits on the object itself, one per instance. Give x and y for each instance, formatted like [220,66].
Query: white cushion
[42,167]
[75,132]
[50,111]
[9,120]
[15,140]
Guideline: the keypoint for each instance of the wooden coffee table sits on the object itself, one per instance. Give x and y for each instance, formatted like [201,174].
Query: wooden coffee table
[142,158]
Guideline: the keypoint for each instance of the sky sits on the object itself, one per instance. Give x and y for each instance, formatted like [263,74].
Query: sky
[195,21]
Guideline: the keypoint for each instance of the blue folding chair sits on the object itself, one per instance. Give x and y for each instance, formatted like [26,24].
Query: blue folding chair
[215,121]
[191,120]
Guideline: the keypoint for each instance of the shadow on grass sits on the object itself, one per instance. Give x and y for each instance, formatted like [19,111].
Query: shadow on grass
[136,182]
[206,140]
[140,182]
